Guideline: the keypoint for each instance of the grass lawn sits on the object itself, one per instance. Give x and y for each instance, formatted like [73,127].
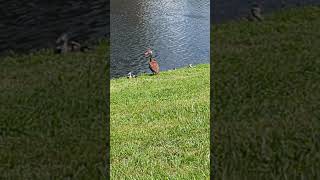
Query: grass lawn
[160,125]
[52,115]
[266,95]
[266,110]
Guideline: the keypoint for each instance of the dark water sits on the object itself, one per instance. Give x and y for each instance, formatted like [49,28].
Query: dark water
[222,11]
[35,24]
[177,30]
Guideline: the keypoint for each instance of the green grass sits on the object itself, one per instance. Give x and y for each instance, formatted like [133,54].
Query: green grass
[266,119]
[160,125]
[52,115]
[266,96]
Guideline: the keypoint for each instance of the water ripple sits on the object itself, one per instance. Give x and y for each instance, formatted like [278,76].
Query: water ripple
[34,25]
[178,31]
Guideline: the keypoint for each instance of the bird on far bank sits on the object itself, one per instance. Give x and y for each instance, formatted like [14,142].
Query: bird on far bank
[153,64]
[64,45]
[256,12]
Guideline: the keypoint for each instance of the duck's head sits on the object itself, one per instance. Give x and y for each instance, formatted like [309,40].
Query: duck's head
[148,53]
[63,38]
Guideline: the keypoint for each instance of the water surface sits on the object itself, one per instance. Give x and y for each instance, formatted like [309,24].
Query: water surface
[177,31]
[35,24]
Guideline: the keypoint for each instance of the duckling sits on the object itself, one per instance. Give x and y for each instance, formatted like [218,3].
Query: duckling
[131,75]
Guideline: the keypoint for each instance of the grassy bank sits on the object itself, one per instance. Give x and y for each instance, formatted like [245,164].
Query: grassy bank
[52,115]
[266,93]
[160,125]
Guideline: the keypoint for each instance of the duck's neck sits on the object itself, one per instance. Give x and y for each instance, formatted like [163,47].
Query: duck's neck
[65,46]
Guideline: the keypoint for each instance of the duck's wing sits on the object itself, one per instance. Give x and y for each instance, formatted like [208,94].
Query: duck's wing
[154,66]
[157,69]
[151,66]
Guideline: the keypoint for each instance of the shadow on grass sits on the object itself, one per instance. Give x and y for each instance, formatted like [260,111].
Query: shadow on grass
[53,115]
[266,96]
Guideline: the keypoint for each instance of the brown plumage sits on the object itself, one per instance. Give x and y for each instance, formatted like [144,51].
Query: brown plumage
[154,66]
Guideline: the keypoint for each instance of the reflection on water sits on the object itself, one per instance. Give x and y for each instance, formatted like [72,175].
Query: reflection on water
[178,31]
[33,24]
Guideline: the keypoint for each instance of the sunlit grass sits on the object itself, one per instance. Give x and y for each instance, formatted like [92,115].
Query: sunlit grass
[160,125]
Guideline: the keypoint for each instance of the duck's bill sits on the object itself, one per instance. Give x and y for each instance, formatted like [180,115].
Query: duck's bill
[146,54]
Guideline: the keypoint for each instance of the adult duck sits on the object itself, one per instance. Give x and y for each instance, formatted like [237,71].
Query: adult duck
[64,45]
[153,64]
[256,12]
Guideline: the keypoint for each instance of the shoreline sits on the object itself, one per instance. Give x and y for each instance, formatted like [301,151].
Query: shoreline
[149,74]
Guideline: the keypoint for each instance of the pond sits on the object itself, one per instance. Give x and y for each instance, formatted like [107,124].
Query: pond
[177,31]
[35,24]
